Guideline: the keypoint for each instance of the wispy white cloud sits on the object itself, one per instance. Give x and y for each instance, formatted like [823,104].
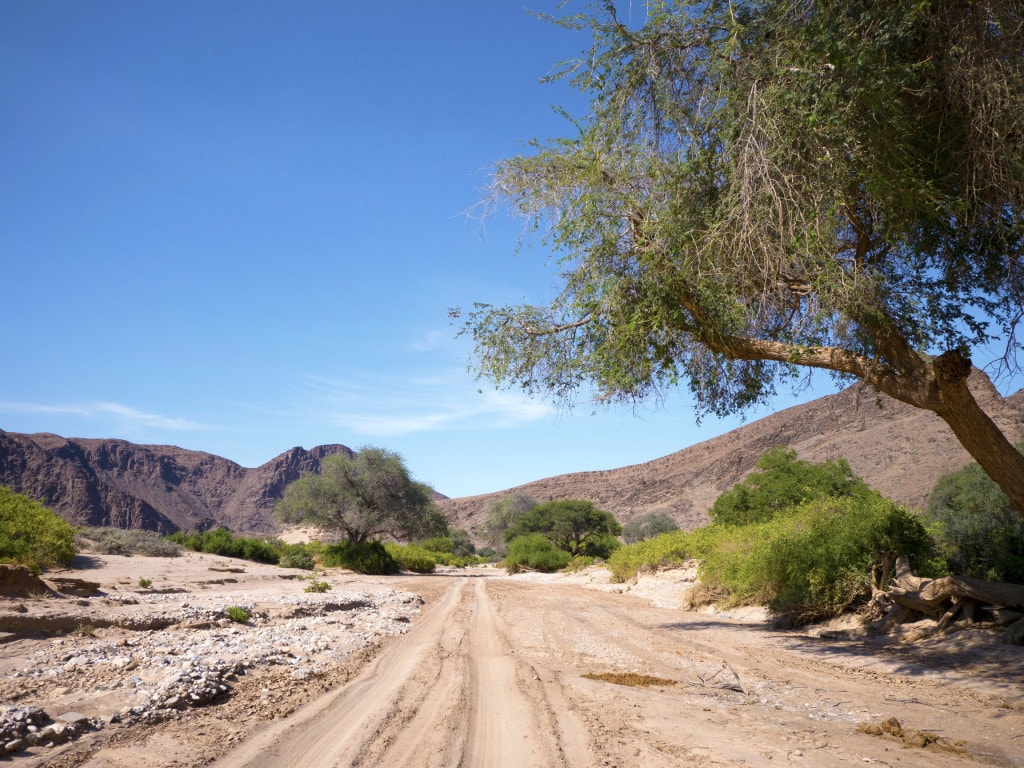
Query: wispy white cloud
[128,416]
[386,407]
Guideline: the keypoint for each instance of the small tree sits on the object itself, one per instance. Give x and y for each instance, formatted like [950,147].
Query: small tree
[569,524]
[368,495]
[502,513]
[31,534]
[647,527]
[782,482]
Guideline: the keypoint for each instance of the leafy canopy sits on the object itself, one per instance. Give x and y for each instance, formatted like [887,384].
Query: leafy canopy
[780,483]
[367,495]
[570,524]
[502,513]
[764,185]
[647,527]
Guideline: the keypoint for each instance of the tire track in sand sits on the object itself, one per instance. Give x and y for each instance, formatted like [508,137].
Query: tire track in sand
[356,724]
[448,693]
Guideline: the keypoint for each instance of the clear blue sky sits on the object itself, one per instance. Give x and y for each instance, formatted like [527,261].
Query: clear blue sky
[237,227]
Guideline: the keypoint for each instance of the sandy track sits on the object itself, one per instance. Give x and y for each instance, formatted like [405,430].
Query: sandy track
[449,693]
[520,671]
[495,673]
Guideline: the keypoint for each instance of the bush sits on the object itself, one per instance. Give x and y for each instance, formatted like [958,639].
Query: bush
[369,557]
[31,534]
[535,551]
[816,562]
[237,614]
[316,584]
[412,558]
[117,541]
[221,541]
[665,551]
[983,536]
[296,556]
[782,482]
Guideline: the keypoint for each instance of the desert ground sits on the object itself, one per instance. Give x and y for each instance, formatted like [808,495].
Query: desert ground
[473,668]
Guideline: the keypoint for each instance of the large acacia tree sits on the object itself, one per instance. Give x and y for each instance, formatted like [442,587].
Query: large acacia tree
[365,496]
[760,186]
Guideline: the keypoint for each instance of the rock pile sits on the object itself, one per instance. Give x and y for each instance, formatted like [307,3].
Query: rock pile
[27,726]
[198,656]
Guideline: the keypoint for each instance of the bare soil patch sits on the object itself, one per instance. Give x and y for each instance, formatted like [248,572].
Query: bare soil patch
[476,668]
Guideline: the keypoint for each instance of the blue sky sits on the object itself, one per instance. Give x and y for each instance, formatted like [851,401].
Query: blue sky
[237,227]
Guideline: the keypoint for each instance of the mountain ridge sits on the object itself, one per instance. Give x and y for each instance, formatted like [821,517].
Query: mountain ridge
[896,448]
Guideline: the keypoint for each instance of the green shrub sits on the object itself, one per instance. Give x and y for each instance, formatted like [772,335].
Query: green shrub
[238,614]
[438,544]
[412,558]
[117,541]
[816,561]
[296,556]
[983,535]
[665,551]
[316,584]
[535,551]
[782,482]
[145,583]
[369,557]
[221,541]
[31,534]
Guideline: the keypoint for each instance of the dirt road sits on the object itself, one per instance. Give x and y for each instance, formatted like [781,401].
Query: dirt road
[506,672]
[529,671]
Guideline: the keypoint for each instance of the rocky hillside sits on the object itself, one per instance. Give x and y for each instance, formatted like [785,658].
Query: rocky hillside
[157,487]
[898,449]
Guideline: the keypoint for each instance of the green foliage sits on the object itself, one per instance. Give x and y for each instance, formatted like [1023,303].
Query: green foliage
[647,527]
[237,614]
[412,558]
[366,495]
[759,187]
[534,551]
[296,556]
[782,482]
[31,534]
[221,541]
[117,541]
[317,584]
[570,524]
[145,583]
[984,536]
[665,551]
[502,513]
[368,557]
[816,561]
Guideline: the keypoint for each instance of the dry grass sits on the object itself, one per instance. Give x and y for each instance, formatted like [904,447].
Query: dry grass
[631,679]
[892,729]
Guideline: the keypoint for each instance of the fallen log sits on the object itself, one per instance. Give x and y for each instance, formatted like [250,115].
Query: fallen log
[945,599]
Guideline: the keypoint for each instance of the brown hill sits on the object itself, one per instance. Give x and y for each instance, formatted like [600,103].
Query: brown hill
[157,487]
[898,449]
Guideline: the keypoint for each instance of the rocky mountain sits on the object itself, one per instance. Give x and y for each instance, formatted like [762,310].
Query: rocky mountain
[157,487]
[897,449]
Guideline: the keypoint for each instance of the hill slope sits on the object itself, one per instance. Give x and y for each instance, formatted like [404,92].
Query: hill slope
[157,487]
[898,449]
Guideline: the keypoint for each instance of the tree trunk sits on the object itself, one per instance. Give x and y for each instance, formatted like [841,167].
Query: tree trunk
[975,430]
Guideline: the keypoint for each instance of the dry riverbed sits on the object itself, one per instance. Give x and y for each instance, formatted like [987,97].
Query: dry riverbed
[472,668]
